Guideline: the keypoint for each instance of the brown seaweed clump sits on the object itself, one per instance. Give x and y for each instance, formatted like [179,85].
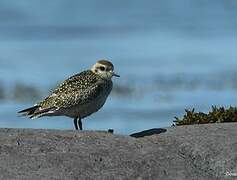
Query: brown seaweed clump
[216,115]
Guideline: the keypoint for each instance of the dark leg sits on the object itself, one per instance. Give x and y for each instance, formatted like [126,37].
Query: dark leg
[80,123]
[75,123]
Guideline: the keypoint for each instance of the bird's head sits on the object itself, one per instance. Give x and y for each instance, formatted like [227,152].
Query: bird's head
[104,69]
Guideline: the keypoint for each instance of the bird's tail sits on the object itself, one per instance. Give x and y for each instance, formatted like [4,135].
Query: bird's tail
[29,111]
[34,112]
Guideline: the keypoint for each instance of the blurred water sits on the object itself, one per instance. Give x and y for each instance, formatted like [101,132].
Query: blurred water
[171,55]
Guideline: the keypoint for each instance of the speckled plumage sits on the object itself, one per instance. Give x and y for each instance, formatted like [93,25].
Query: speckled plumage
[78,89]
[78,96]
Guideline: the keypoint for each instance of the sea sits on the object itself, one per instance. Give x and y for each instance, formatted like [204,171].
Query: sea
[171,55]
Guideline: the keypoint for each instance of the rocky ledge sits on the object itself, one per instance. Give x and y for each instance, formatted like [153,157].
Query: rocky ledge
[200,152]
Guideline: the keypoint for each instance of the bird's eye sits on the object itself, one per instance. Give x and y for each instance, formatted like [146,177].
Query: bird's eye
[102,68]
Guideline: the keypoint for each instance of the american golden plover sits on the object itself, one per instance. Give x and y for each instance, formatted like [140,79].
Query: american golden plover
[79,96]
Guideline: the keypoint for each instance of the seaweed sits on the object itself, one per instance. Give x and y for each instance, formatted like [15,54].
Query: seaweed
[216,115]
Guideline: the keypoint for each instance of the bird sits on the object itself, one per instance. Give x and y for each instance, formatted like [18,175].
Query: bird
[78,96]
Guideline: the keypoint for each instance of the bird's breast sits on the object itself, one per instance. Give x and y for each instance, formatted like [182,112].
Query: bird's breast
[84,110]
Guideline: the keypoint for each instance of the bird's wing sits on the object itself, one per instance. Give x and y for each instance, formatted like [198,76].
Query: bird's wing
[69,99]
[78,89]
[79,81]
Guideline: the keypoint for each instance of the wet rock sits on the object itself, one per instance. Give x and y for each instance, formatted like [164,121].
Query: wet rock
[25,93]
[199,152]
[2,93]
[122,90]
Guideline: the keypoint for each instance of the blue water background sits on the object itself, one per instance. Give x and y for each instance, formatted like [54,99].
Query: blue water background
[171,55]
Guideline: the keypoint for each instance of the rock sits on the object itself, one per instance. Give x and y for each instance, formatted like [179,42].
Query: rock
[123,90]
[2,92]
[199,152]
[25,93]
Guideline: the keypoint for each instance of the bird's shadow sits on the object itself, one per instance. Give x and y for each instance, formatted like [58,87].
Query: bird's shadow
[148,132]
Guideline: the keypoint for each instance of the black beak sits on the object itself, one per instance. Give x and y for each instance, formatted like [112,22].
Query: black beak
[116,75]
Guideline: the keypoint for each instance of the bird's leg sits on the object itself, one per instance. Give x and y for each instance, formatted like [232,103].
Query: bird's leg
[80,123]
[75,123]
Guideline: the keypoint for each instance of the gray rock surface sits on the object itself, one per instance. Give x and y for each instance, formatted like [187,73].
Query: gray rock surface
[199,152]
